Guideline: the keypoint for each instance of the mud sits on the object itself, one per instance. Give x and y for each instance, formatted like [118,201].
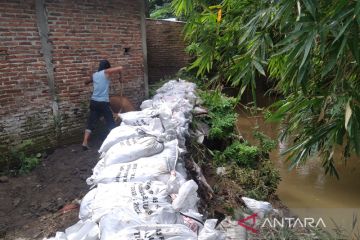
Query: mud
[38,204]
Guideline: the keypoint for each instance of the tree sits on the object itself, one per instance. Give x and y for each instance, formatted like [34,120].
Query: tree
[160,9]
[309,48]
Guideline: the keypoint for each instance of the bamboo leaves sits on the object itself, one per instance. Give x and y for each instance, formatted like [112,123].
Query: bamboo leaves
[348,113]
[309,48]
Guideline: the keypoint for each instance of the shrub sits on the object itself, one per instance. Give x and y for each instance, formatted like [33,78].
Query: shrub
[20,159]
[242,154]
[222,117]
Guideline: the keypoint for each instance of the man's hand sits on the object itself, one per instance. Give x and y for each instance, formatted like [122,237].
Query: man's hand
[113,70]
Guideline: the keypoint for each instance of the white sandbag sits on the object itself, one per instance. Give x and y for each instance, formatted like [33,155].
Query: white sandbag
[139,118]
[156,167]
[143,121]
[177,86]
[147,207]
[111,223]
[172,123]
[165,111]
[175,101]
[173,181]
[83,230]
[133,148]
[180,168]
[183,105]
[187,197]
[259,207]
[96,199]
[120,133]
[139,114]
[146,104]
[124,132]
[150,232]
[209,232]
[193,220]
[168,135]
[167,87]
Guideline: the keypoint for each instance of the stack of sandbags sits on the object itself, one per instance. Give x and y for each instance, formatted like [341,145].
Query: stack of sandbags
[139,187]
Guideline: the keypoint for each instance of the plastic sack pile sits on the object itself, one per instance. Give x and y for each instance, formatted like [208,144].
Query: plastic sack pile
[139,187]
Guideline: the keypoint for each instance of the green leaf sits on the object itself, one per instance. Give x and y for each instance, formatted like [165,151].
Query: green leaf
[353,42]
[258,67]
[357,11]
[330,64]
[280,112]
[215,7]
[310,6]
[348,113]
[308,45]
[343,29]
[342,46]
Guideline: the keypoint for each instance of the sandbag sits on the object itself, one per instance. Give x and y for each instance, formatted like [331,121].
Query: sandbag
[138,114]
[175,101]
[177,86]
[133,148]
[146,104]
[82,230]
[148,207]
[187,197]
[193,220]
[209,232]
[107,196]
[145,231]
[124,132]
[111,223]
[139,118]
[259,207]
[157,167]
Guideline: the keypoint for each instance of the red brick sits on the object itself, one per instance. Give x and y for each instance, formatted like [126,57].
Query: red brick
[81,34]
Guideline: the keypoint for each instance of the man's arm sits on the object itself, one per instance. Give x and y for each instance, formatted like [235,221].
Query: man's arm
[113,70]
[90,80]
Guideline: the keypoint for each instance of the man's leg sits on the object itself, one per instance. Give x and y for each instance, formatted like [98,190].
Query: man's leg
[93,117]
[86,139]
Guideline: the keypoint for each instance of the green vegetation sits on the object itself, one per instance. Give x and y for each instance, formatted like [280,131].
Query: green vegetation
[19,159]
[160,9]
[266,144]
[248,171]
[222,116]
[242,154]
[308,50]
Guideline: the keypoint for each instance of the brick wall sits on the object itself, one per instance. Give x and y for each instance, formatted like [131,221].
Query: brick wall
[80,33]
[165,47]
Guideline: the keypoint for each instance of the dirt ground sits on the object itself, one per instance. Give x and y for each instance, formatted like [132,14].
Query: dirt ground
[37,205]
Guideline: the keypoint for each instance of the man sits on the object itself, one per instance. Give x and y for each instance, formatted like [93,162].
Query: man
[99,104]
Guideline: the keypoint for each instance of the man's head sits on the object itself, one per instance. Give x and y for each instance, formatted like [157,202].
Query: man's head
[104,64]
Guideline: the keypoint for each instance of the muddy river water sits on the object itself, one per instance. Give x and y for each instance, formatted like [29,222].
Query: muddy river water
[306,190]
